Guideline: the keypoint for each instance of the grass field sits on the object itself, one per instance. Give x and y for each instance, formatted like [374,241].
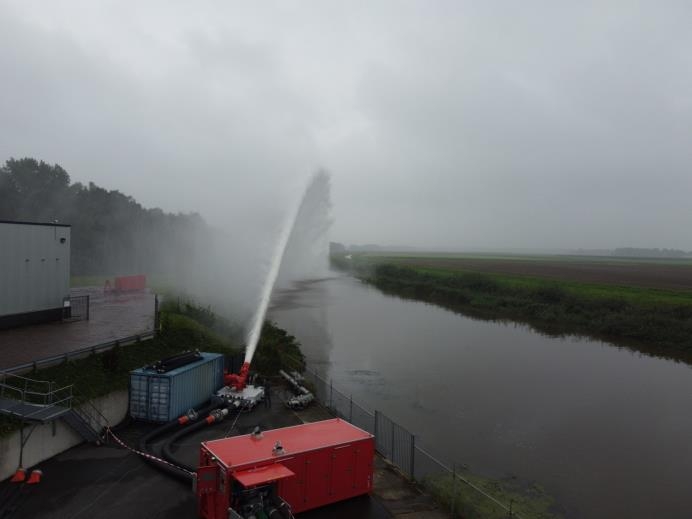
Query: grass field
[631,293]
[660,274]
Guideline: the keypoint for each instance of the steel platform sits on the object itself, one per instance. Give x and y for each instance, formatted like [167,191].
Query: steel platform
[32,412]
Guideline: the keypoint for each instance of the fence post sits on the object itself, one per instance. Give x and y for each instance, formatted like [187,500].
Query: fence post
[350,409]
[454,487]
[413,456]
[88,306]
[156,315]
[391,455]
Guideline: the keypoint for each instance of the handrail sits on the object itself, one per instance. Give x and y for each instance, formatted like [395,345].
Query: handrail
[48,406]
[28,366]
[28,392]
[100,419]
[44,403]
[10,388]
[29,386]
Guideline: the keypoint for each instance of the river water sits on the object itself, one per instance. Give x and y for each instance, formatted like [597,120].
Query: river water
[606,431]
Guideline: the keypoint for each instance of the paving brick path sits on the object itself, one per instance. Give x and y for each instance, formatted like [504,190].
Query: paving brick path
[111,317]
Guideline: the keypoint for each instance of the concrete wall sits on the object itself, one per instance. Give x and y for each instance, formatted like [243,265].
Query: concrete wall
[34,267]
[43,444]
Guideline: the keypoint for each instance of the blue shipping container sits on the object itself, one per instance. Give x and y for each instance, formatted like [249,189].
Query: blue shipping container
[162,397]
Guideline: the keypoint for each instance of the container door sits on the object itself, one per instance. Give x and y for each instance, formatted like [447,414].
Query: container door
[342,472]
[292,490]
[139,390]
[159,399]
[207,481]
[362,466]
[317,469]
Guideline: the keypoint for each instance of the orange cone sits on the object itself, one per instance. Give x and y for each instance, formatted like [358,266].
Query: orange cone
[19,475]
[35,477]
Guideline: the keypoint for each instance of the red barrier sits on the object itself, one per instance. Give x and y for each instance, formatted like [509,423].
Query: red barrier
[130,283]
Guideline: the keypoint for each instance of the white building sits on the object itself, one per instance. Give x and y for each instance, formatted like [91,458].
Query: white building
[34,272]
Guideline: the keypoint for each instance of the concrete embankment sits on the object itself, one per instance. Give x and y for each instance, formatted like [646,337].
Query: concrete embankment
[50,439]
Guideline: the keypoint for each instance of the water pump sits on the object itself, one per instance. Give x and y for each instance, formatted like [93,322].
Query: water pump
[239,381]
[238,393]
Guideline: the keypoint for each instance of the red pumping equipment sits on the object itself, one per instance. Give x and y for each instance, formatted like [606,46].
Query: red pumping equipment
[300,468]
[239,381]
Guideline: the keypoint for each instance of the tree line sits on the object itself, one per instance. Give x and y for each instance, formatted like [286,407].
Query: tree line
[111,233]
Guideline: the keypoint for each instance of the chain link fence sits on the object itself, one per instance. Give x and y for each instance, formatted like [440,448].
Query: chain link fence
[455,492]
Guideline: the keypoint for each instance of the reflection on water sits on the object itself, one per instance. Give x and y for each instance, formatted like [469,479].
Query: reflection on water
[605,430]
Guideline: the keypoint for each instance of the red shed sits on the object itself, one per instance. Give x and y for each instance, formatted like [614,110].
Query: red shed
[307,466]
[131,283]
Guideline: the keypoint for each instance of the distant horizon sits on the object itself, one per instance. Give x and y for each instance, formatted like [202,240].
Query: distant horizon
[579,251]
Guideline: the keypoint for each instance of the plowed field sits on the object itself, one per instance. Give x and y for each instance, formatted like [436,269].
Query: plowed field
[660,274]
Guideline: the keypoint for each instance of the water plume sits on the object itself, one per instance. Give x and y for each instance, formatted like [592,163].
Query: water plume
[300,243]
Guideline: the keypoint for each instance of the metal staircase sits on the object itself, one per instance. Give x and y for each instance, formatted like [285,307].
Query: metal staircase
[81,426]
[37,401]
[88,421]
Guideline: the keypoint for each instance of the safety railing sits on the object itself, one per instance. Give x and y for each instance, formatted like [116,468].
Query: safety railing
[36,393]
[453,490]
[76,354]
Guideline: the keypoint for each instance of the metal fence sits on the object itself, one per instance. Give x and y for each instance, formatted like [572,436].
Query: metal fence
[77,310]
[39,394]
[454,491]
[76,354]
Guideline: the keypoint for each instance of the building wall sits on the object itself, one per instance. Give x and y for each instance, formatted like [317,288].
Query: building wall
[34,267]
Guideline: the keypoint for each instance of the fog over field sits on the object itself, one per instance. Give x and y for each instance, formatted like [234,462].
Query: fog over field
[443,124]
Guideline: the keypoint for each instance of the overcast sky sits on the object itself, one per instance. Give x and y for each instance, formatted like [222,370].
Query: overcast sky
[444,124]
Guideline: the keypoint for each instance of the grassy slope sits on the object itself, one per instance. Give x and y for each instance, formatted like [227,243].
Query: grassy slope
[529,501]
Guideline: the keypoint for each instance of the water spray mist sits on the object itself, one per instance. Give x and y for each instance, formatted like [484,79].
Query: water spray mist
[239,380]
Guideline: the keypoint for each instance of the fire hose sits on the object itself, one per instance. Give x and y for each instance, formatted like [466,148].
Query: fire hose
[215,416]
[183,474]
